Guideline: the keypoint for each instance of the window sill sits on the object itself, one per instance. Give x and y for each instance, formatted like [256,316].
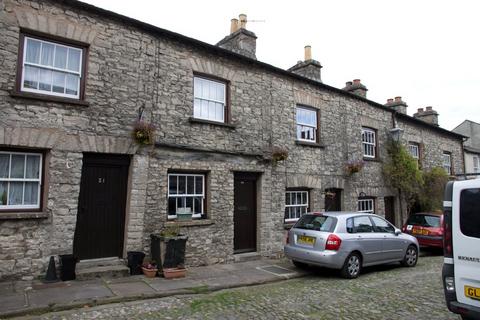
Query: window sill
[373,159]
[47,98]
[189,223]
[23,215]
[215,123]
[309,144]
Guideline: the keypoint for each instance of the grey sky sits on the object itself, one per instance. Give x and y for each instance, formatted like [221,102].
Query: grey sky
[426,51]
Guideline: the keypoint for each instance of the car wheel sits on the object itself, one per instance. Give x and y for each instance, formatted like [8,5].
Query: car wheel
[299,264]
[411,257]
[352,266]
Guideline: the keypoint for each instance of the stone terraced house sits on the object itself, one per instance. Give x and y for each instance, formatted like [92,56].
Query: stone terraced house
[75,78]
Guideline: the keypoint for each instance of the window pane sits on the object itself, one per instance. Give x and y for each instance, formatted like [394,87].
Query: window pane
[3,193]
[4,165]
[58,82]
[287,198]
[16,193]
[33,51]
[180,204]
[73,82]
[189,204]
[198,185]
[171,206]
[47,54]
[61,57]
[469,213]
[73,59]
[172,184]
[190,185]
[211,110]
[198,204]
[299,198]
[181,184]
[18,165]
[219,112]
[205,89]
[33,167]
[197,105]
[197,87]
[31,193]
[204,109]
[31,77]
[220,93]
[45,81]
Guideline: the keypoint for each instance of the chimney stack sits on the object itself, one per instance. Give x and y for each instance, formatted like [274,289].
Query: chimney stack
[309,68]
[356,87]
[429,115]
[240,40]
[397,104]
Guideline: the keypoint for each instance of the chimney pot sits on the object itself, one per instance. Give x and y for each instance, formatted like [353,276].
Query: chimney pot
[389,100]
[243,20]
[429,109]
[308,53]
[233,25]
[398,99]
[420,110]
[356,81]
[348,83]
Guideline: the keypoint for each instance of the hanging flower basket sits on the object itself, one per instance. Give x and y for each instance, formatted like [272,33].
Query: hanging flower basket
[354,166]
[279,154]
[143,132]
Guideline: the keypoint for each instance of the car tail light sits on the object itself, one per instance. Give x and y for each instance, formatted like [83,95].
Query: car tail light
[447,235]
[333,242]
[288,237]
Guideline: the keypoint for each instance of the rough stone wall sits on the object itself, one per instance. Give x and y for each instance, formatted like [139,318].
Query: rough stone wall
[129,68]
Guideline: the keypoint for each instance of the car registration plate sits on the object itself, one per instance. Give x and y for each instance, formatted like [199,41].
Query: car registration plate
[306,240]
[420,231]
[472,292]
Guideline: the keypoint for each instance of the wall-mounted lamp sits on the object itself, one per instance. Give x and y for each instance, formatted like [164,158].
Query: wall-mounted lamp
[396,134]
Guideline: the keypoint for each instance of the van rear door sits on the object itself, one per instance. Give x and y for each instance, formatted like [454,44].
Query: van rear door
[466,241]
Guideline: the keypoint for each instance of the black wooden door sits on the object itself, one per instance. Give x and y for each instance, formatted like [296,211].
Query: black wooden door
[390,209]
[245,212]
[333,199]
[101,207]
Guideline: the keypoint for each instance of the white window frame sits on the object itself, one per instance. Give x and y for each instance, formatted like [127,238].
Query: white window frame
[414,150]
[447,162]
[292,194]
[195,195]
[306,125]
[197,115]
[369,141]
[52,68]
[366,205]
[8,180]
[476,164]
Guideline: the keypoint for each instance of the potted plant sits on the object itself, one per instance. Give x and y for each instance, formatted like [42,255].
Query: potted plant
[169,249]
[150,269]
[354,166]
[143,132]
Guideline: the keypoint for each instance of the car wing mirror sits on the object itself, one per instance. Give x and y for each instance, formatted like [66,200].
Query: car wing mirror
[398,232]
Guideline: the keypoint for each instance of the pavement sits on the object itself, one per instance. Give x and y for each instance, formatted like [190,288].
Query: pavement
[39,298]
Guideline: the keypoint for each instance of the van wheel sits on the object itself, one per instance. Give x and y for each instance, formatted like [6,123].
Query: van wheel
[352,266]
[411,257]
[299,264]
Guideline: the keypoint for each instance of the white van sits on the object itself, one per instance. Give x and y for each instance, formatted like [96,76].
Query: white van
[461,267]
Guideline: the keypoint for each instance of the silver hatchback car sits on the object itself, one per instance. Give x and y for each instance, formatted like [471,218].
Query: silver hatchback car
[348,241]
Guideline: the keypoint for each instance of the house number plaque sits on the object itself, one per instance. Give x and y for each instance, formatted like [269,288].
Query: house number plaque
[101,180]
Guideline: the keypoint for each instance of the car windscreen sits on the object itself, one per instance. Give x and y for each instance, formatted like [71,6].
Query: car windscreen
[317,223]
[470,212]
[424,220]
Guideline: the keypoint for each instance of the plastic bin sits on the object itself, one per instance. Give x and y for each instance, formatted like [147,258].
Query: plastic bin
[135,260]
[67,268]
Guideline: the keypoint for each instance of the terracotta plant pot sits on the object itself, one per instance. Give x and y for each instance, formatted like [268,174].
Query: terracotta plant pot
[172,273]
[149,273]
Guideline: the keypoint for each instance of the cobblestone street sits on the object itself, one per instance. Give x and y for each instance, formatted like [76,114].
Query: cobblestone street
[387,292]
